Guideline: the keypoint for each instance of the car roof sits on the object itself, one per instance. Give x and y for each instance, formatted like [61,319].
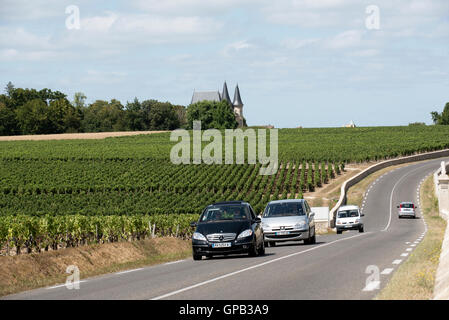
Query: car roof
[229,202]
[406,202]
[287,200]
[349,207]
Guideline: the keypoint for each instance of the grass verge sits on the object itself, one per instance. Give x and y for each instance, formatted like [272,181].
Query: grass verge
[415,278]
[30,271]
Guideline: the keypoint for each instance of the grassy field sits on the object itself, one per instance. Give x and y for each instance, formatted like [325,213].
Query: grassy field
[132,176]
[415,278]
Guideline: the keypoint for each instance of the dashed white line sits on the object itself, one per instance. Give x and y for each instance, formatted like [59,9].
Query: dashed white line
[387,271]
[397,261]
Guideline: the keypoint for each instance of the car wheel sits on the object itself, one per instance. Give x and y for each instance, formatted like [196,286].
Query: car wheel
[338,231]
[312,240]
[361,229]
[197,257]
[272,244]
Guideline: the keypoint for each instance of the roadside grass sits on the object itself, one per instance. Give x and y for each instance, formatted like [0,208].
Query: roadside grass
[415,278]
[36,270]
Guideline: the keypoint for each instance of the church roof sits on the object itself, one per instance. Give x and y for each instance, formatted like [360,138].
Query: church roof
[205,96]
[237,98]
[225,94]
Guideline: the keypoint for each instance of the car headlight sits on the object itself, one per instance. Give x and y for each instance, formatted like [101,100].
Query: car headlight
[246,233]
[300,224]
[198,236]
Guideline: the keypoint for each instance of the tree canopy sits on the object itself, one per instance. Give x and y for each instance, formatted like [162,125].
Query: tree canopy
[212,114]
[443,117]
[31,111]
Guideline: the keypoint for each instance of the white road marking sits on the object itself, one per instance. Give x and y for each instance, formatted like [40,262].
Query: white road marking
[387,271]
[404,254]
[407,242]
[63,285]
[409,249]
[373,285]
[252,267]
[128,271]
[173,262]
[397,261]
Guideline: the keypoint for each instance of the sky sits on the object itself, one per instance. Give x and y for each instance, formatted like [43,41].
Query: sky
[309,63]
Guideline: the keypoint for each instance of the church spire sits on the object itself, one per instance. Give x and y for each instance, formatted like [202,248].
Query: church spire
[237,98]
[225,94]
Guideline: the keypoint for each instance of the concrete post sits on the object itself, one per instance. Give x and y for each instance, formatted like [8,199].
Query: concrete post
[443,192]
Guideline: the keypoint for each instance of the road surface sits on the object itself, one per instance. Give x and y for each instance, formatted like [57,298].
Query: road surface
[348,266]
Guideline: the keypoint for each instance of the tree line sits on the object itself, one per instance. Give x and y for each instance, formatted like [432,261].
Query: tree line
[31,111]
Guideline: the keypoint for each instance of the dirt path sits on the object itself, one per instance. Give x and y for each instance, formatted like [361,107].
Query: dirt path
[69,136]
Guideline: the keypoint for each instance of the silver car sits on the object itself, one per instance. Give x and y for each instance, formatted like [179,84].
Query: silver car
[288,220]
[406,209]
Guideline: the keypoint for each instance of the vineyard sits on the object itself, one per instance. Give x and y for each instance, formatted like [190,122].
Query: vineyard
[57,194]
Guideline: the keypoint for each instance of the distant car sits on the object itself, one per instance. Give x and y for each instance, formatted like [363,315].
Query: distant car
[227,228]
[349,218]
[288,220]
[406,209]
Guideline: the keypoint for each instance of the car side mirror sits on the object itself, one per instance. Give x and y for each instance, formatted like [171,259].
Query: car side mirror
[397,206]
[362,215]
[193,224]
[312,214]
[257,220]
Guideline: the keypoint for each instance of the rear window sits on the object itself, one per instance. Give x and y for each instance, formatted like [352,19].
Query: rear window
[407,205]
[348,213]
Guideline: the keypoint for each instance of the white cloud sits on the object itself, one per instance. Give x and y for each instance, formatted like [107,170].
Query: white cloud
[350,38]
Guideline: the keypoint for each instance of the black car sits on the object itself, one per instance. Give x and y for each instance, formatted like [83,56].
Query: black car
[228,228]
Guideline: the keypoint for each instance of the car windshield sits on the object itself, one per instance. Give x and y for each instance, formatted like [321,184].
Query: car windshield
[407,205]
[225,212]
[283,209]
[348,213]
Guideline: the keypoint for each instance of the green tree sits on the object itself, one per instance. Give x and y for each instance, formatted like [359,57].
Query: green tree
[102,116]
[33,117]
[181,113]
[8,122]
[441,118]
[9,89]
[212,114]
[134,116]
[63,116]
[162,116]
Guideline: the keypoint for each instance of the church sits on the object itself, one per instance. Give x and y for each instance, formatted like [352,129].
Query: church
[236,104]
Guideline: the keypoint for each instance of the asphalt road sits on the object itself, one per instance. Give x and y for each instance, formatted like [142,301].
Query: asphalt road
[348,266]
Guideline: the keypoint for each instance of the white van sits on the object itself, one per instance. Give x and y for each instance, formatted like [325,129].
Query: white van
[349,218]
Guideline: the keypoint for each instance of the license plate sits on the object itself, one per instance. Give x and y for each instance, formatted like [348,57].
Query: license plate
[282,233]
[348,226]
[221,245]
